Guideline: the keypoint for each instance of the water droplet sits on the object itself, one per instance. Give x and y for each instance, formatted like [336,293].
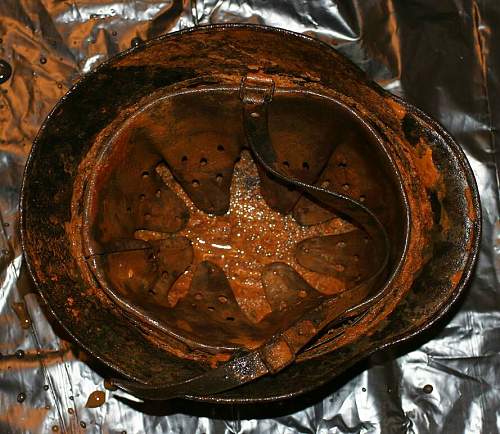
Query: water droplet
[428,388]
[21,397]
[96,399]
[20,354]
[363,389]
[71,410]
[47,407]
[71,398]
[5,71]
[136,41]
[59,85]
[55,428]
[43,60]
[108,384]
[83,424]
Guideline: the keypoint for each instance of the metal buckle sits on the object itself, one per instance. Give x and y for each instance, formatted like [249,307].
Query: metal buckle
[256,89]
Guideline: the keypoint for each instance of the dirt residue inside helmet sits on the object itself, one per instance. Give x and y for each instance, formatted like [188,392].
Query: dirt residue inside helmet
[247,238]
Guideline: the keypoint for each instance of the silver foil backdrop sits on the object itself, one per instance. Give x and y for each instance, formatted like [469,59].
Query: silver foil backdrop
[443,56]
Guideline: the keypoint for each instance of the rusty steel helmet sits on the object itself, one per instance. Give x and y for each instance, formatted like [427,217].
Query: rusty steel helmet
[235,213]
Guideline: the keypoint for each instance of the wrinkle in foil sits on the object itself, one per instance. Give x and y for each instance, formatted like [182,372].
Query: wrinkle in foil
[442,56]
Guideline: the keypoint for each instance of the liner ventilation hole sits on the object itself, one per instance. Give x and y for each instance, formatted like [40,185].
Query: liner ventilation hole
[145,174]
[220,148]
[203,162]
[305,165]
[195,183]
[184,159]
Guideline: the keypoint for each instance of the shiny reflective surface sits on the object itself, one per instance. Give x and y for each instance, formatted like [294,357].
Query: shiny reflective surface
[5,71]
[442,58]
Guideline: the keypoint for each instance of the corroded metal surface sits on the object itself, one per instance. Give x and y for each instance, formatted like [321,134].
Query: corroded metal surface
[442,199]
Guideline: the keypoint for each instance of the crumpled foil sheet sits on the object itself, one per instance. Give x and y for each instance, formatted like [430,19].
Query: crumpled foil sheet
[443,56]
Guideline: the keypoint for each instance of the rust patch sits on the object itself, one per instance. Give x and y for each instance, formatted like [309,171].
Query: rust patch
[23,418]
[278,355]
[397,108]
[429,174]
[455,279]
[470,205]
